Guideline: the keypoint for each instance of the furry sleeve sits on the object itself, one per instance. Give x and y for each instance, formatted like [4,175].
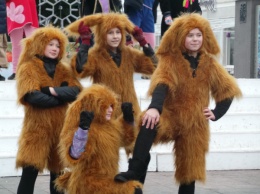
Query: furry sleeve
[64,72]
[142,63]
[222,84]
[66,137]
[128,132]
[73,63]
[165,73]
[88,67]
[70,127]
[26,80]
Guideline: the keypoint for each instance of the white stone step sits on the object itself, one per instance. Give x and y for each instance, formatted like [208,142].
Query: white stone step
[240,141]
[10,126]
[163,161]
[10,107]
[219,142]
[229,160]
[231,122]
[237,122]
[235,138]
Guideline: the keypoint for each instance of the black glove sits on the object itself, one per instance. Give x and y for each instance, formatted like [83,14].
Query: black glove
[127,109]
[129,40]
[85,119]
[46,90]
[64,84]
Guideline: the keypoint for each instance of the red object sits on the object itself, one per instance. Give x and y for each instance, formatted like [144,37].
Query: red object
[20,13]
[85,33]
[138,35]
[9,56]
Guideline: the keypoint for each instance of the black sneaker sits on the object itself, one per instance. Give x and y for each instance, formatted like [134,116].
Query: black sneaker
[145,77]
[2,78]
[11,77]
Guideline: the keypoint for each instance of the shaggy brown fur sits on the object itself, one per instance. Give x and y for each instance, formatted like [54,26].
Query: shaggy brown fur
[41,127]
[182,119]
[101,67]
[94,171]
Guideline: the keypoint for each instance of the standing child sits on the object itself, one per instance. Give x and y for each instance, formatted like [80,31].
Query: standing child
[22,19]
[110,61]
[187,77]
[45,87]
[90,142]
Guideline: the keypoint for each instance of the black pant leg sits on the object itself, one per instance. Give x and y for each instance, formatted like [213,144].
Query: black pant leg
[27,182]
[53,177]
[143,144]
[187,188]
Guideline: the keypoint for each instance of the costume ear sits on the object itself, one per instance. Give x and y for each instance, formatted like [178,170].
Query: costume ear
[210,42]
[129,26]
[26,46]
[90,20]
[170,39]
[75,108]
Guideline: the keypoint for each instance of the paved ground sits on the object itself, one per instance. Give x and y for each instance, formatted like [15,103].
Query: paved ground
[218,182]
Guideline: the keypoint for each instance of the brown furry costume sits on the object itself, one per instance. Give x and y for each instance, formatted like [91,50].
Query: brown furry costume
[182,119]
[41,126]
[101,67]
[94,171]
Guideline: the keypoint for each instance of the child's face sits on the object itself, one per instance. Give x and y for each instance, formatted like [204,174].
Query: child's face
[193,41]
[114,37]
[109,113]
[52,49]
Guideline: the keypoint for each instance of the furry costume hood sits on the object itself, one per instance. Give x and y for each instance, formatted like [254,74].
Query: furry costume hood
[96,98]
[174,38]
[36,43]
[101,23]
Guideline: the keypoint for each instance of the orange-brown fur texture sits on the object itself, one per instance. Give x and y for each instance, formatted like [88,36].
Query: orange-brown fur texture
[94,171]
[182,120]
[101,67]
[41,126]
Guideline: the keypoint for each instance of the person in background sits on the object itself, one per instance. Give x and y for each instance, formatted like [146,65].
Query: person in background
[90,142]
[22,20]
[45,87]
[187,77]
[3,38]
[172,9]
[89,7]
[141,14]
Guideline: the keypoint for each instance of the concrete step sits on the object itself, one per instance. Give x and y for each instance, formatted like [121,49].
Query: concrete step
[10,126]
[219,160]
[219,142]
[231,122]
[235,138]
[164,161]
[237,122]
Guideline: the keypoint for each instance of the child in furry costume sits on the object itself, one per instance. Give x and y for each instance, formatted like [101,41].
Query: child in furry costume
[45,87]
[187,76]
[113,65]
[93,170]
